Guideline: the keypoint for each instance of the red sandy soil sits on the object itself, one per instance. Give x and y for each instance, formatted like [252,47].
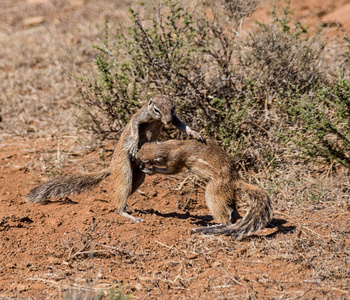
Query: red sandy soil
[77,247]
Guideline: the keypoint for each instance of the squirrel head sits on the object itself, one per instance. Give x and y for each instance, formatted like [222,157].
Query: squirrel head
[161,108]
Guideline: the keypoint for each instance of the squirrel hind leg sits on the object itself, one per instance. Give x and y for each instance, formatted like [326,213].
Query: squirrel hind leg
[137,180]
[130,217]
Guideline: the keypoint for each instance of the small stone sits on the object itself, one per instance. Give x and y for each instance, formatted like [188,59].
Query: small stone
[33,21]
[21,288]
[37,1]
[76,3]
[192,256]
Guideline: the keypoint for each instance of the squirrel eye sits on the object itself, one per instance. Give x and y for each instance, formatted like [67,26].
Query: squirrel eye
[156,111]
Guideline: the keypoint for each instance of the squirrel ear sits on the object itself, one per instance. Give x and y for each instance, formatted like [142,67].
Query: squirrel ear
[150,102]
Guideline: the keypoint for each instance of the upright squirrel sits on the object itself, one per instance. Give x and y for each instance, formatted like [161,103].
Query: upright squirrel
[212,164]
[144,126]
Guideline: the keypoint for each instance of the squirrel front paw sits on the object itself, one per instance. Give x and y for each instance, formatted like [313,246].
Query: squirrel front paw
[148,171]
[197,136]
[133,151]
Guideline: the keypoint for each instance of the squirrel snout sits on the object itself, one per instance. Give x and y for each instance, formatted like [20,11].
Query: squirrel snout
[167,119]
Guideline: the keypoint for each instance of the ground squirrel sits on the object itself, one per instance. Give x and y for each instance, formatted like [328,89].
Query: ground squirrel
[212,164]
[144,126]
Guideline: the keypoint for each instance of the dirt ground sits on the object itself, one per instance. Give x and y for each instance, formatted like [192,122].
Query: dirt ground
[79,247]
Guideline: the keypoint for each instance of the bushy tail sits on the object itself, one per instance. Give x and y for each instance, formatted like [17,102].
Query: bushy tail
[64,186]
[258,216]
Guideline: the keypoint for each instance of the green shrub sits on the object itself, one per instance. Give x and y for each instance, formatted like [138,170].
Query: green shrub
[282,59]
[325,124]
[249,92]
[177,51]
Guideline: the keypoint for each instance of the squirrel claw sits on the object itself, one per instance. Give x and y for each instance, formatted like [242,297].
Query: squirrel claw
[198,136]
[148,171]
[133,153]
[202,140]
